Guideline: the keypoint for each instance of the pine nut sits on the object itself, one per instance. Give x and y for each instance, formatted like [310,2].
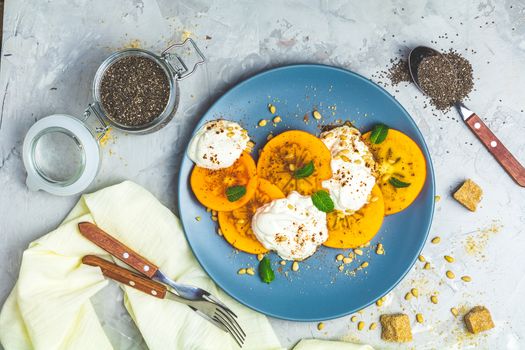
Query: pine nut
[282,262]
[434,299]
[419,318]
[341,267]
[295,266]
[379,302]
[250,271]
[271,108]
[263,122]
[339,257]
[380,250]
[260,257]
[316,115]
[347,260]
[450,274]
[291,167]
[353,318]
[360,325]
[364,264]
[320,326]
[241,271]
[427,266]
[421,258]
[454,311]
[373,326]
[277,119]
[358,251]
[466,278]
[449,259]
[408,296]
[436,240]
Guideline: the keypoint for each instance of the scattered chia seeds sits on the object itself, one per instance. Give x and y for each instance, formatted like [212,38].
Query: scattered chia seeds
[442,84]
[134,91]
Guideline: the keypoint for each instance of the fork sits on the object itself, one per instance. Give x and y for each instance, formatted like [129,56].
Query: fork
[221,317]
[217,311]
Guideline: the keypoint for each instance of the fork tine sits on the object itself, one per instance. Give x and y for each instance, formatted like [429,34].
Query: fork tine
[213,299]
[233,322]
[233,334]
[230,326]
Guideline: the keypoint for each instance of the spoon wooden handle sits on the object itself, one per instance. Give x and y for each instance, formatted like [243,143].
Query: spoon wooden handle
[126,277]
[117,249]
[497,149]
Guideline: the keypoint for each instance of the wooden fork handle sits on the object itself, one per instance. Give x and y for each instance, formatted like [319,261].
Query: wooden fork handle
[126,277]
[117,249]
[511,165]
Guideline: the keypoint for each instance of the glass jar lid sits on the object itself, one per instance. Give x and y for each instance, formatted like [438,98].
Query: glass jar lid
[61,155]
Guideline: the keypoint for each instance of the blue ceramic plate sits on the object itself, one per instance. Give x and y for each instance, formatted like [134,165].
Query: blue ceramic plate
[318,291]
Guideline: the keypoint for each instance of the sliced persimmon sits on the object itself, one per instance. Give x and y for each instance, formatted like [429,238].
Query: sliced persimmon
[287,153]
[351,231]
[399,161]
[209,186]
[236,225]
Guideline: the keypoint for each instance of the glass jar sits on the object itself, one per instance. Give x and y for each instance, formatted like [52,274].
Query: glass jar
[61,153]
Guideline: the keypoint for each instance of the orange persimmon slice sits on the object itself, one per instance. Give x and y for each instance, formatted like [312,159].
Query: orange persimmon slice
[398,157]
[290,151]
[351,231]
[209,186]
[236,225]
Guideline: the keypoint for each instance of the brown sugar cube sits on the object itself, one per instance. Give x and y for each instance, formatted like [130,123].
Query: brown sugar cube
[396,328]
[469,194]
[478,320]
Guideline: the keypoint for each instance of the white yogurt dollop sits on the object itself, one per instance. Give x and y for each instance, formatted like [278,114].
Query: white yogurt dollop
[291,226]
[218,144]
[352,168]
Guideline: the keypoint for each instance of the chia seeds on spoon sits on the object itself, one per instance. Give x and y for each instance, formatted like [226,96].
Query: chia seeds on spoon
[445,79]
[134,91]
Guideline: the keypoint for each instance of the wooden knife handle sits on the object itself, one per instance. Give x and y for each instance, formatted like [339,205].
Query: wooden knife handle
[117,249]
[498,150]
[127,277]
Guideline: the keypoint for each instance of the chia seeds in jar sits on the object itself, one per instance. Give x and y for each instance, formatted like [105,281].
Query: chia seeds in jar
[134,91]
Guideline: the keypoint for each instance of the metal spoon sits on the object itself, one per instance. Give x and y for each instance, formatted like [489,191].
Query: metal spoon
[491,142]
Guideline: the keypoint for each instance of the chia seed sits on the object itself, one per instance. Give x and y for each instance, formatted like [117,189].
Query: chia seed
[134,91]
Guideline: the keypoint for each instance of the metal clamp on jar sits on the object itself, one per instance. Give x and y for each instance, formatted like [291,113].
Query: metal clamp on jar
[61,153]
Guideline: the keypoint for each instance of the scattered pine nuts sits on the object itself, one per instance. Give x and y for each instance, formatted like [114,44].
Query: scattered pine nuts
[437,198]
[263,122]
[277,119]
[454,311]
[339,257]
[260,257]
[250,271]
[450,274]
[241,272]
[466,278]
[291,167]
[272,108]
[316,115]
[380,250]
[198,218]
[434,299]
[360,325]
[353,318]
[282,262]
[449,259]
[427,266]
[320,326]
[419,318]
[414,292]
[347,260]
[358,251]
[373,326]
[341,267]
[364,264]
[436,240]
[380,301]
[295,266]
[408,296]
[219,232]
[421,258]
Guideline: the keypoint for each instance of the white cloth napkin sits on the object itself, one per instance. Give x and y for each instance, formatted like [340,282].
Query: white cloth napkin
[49,306]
